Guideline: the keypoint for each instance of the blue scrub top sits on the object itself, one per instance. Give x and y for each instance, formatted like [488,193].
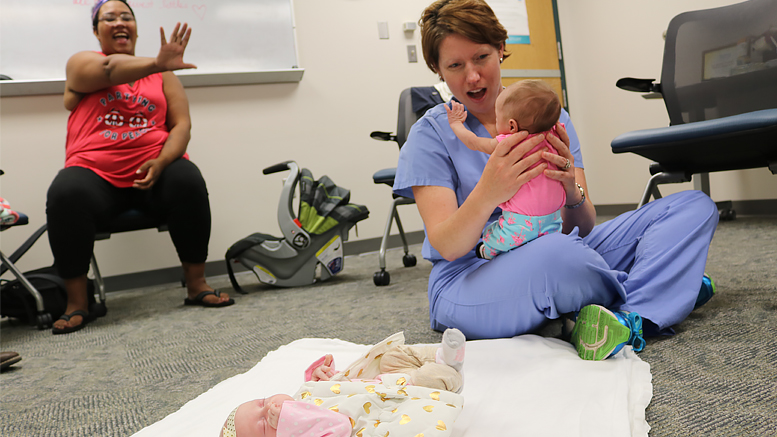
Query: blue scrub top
[434,156]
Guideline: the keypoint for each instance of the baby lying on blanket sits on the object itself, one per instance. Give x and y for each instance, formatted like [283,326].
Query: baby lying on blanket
[395,389]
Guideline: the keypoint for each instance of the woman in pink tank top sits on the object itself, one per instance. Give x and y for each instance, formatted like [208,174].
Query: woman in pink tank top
[127,136]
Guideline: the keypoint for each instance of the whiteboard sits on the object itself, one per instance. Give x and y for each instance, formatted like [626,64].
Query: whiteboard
[228,36]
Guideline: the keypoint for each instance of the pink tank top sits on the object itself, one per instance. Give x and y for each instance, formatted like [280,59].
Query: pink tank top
[115,130]
[541,195]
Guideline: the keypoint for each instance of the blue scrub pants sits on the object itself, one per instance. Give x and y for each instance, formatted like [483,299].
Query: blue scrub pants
[650,261]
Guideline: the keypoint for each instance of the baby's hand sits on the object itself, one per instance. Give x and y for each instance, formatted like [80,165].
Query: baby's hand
[324,371]
[456,113]
[273,413]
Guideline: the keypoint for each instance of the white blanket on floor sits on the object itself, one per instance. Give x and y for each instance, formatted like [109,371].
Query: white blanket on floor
[521,386]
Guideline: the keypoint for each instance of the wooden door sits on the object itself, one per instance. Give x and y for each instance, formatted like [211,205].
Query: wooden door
[542,58]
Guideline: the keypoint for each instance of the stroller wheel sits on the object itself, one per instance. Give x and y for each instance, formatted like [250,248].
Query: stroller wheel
[409,260]
[381,278]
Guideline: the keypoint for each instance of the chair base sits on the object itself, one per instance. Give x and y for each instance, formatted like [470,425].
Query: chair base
[664,177]
[382,277]
[130,220]
[43,319]
[726,211]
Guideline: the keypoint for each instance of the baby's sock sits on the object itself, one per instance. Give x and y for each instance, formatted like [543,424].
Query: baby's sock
[451,351]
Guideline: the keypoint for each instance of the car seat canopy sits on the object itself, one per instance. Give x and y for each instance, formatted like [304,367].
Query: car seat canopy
[323,205]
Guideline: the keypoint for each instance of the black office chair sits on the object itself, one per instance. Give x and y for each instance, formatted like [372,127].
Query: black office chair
[719,84]
[413,103]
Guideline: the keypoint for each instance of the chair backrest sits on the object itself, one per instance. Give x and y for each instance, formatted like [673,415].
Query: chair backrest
[413,104]
[406,116]
[721,62]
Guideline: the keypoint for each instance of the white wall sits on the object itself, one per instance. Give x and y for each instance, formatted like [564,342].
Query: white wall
[350,87]
[351,84]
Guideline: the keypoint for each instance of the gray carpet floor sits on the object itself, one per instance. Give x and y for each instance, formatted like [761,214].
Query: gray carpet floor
[151,354]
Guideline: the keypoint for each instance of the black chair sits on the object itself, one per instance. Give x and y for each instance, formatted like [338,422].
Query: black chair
[43,318]
[413,103]
[719,84]
[130,220]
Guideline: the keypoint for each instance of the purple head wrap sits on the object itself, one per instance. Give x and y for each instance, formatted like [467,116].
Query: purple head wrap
[96,8]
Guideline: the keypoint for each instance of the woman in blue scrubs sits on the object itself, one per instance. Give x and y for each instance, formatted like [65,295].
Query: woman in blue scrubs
[650,261]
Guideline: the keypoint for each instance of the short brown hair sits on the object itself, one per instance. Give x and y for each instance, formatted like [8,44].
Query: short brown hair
[533,104]
[472,19]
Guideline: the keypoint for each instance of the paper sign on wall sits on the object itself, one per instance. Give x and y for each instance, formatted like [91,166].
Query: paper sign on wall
[512,14]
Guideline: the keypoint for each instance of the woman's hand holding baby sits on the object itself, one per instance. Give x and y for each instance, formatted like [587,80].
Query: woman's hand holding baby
[508,168]
[564,174]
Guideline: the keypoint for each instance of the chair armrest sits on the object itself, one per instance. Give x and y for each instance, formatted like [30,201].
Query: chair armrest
[383,136]
[638,85]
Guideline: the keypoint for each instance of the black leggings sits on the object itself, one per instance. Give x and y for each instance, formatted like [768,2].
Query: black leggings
[80,203]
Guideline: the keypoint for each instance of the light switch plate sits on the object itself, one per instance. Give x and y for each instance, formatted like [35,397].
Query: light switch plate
[383,30]
[412,54]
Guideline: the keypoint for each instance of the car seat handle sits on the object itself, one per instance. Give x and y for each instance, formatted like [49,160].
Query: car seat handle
[277,168]
[287,220]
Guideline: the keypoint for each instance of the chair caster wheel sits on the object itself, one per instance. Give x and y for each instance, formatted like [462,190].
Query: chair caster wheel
[409,260]
[727,214]
[44,321]
[381,278]
[98,310]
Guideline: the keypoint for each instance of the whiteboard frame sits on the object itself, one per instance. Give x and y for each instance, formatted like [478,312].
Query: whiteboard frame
[36,87]
[11,88]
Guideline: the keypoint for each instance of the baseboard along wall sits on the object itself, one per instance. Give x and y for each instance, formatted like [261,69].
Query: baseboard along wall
[217,268]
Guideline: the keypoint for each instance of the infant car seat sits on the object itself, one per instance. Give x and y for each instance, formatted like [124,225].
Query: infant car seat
[315,237]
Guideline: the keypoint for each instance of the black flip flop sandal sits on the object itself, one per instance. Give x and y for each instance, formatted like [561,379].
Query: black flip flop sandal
[85,319]
[199,300]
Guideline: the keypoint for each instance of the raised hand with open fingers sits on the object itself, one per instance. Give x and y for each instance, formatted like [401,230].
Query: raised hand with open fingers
[456,112]
[170,57]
